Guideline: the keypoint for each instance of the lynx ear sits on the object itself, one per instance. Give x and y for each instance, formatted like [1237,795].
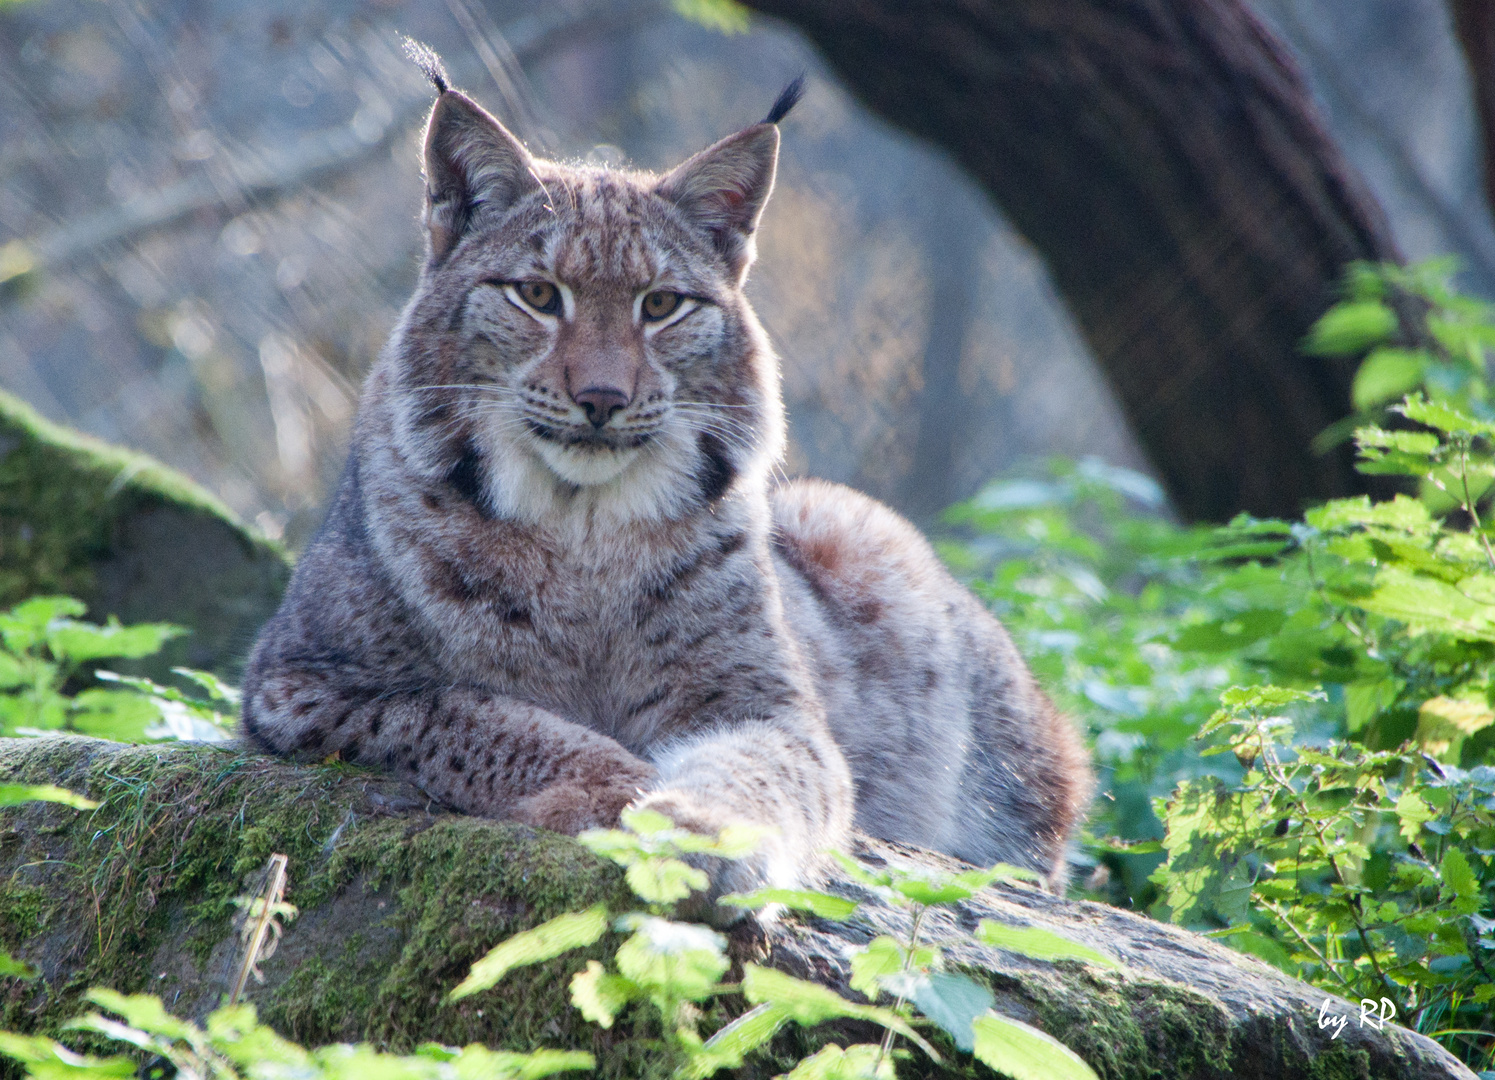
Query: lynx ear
[723,190]
[472,163]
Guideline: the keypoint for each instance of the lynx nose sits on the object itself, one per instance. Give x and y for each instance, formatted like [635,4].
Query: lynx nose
[601,402]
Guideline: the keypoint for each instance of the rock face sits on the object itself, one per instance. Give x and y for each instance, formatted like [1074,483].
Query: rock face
[397,899]
[132,538]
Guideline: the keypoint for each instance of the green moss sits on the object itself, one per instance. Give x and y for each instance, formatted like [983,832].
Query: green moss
[138,895]
[130,537]
[61,490]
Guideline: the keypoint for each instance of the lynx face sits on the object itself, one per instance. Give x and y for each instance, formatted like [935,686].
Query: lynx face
[584,331]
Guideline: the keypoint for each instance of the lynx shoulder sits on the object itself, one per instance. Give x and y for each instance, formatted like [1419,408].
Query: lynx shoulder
[556,579]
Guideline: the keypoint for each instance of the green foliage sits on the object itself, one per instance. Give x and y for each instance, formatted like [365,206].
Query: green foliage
[1353,868]
[234,1044]
[45,651]
[1303,710]
[672,968]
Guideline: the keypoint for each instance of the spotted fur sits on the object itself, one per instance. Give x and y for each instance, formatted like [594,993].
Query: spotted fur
[538,616]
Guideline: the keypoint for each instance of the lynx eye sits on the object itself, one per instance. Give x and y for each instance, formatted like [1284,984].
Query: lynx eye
[540,295]
[660,304]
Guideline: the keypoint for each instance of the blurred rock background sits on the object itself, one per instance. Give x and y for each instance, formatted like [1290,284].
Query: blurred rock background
[208,223]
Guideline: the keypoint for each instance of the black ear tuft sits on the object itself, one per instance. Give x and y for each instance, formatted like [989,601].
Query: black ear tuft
[425,58]
[786,100]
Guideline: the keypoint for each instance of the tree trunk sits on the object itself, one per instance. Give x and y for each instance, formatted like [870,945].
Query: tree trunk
[397,900]
[1165,158]
[1474,24]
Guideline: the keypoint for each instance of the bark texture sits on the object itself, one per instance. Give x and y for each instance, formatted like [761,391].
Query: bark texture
[1474,24]
[397,900]
[1166,159]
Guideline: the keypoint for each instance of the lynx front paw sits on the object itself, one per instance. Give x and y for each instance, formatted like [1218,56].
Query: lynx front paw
[725,875]
[572,806]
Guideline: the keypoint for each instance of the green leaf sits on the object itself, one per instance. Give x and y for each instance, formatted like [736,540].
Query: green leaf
[143,1011]
[237,1034]
[1231,633]
[24,626]
[1040,944]
[1443,416]
[13,672]
[659,880]
[682,958]
[1428,603]
[730,1045]
[14,794]
[822,904]
[1261,698]
[1413,812]
[1459,882]
[1349,328]
[857,872]
[1263,948]
[861,1061]
[544,942]
[12,968]
[80,642]
[477,1062]
[953,1002]
[1387,373]
[882,957]
[808,1003]
[120,715]
[48,1060]
[932,887]
[1400,512]
[217,689]
[599,995]
[1025,1053]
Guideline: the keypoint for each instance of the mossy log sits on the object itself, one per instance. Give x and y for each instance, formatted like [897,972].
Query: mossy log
[398,898]
[130,537]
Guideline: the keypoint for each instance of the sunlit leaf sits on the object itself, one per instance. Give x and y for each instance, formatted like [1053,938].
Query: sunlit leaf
[546,941]
[12,968]
[727,1048]
[1349,328]
[809,1003]
[48,1060]
[14,794]
[599,995]
[477,1062]
[861,1061]
[1039,943]
[685,958]
[1025,1053]
[659,880]
[1386,374]
[882,957]
[143,1011]
[79,642]
[822,904]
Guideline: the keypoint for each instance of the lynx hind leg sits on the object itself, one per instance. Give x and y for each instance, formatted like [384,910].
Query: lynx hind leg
[952,743]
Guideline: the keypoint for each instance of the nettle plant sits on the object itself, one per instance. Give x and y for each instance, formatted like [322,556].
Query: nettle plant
[670,969]
[666,969]
[46,651]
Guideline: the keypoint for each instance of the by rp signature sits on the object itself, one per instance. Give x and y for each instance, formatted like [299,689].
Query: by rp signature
[1372,1014]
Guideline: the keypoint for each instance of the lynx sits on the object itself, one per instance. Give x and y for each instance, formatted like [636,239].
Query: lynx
[557,579]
